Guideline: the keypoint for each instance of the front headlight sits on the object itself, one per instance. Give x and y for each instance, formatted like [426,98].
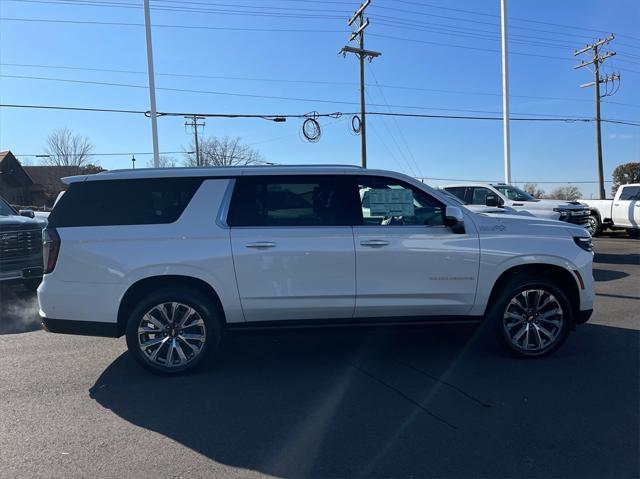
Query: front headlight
[563,213]
[584,243]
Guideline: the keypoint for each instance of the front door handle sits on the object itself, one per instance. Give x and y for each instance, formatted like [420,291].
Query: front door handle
[260,244]
[376,243]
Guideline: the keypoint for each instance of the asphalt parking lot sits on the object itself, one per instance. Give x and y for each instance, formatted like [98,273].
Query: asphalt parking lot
[419,402]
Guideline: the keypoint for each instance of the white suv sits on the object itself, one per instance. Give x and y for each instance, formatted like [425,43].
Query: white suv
[173,257]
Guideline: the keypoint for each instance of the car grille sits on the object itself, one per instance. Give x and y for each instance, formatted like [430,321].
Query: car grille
[580,218]
[16,244]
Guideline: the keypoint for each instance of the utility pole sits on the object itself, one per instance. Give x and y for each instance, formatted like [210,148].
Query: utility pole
[194,127]
[152,85]
[505,95]
[361,53]
[596,60]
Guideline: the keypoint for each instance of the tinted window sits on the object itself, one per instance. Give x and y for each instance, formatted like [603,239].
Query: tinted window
[479,195]
[630,193]
[124,202]
[288,201]
[458,191]
[389,202]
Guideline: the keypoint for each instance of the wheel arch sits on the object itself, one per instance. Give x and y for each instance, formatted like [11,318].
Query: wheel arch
[596,213]
[563,278]
[144,286]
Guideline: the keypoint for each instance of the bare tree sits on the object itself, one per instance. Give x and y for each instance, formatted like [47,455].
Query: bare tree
[569,193]
[65,148]
[163,162]
[223,151]
[533,190]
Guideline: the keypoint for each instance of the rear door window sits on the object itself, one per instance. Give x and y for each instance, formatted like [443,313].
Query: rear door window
[124,202]
[295,200]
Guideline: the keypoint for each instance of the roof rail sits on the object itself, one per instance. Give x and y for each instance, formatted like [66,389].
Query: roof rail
[321,165]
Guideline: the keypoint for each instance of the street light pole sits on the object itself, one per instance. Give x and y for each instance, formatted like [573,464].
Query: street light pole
[505,95]
[152,85]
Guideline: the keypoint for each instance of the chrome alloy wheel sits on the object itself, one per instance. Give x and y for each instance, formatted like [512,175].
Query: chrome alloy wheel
[592,225]
[171,334]
[533,320]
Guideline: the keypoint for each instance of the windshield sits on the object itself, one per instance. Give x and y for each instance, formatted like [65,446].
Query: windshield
[5,209]
[515,194]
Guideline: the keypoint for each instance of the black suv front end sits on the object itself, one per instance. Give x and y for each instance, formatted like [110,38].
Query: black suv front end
[20,247]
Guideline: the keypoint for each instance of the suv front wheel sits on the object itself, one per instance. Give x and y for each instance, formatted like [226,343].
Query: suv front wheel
[532,316]
[172,330]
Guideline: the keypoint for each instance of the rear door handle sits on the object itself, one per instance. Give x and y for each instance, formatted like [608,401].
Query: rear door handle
[376,243]
[260,244]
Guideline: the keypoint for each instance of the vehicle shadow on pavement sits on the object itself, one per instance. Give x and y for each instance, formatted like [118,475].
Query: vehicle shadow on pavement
[18,310]
[608,275]
[404,402]
[612,258]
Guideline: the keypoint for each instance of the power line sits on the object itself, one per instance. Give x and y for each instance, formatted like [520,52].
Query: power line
[520,19]
[109,4]
[161,25]
[261,12]
[139,153]
[300,81]
[336,114]
[288,30]
[395,122]
[412,171]
[250,95]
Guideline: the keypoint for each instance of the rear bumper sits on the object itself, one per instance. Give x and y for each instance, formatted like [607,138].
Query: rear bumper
[84,328]
[584,316]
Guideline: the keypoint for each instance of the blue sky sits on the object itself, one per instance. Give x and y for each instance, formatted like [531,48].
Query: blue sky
[437,57]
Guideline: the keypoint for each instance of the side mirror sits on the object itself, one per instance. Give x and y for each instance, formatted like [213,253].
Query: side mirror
[27,213]
[454,219]
[493,201]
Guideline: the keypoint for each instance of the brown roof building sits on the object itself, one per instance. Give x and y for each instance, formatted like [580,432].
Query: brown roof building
[36,186]
[15,183]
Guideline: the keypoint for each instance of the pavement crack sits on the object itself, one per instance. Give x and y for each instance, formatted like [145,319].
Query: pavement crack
[445,383]
[403,395]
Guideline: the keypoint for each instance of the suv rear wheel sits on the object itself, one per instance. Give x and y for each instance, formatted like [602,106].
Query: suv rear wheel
[172,330]
[532,316]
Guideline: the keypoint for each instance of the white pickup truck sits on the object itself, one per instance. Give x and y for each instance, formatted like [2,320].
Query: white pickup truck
[508,196]
[622,212]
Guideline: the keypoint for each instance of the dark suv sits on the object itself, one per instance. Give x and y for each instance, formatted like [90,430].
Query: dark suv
[20,246]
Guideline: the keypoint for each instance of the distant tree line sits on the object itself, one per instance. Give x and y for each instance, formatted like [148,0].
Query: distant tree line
[66,148]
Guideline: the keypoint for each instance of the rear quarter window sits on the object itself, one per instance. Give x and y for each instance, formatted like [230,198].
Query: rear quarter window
[124,202]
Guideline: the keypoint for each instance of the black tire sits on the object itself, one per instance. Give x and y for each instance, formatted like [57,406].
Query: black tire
[502,326]
[203,308]
[32,284]
[595,225]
